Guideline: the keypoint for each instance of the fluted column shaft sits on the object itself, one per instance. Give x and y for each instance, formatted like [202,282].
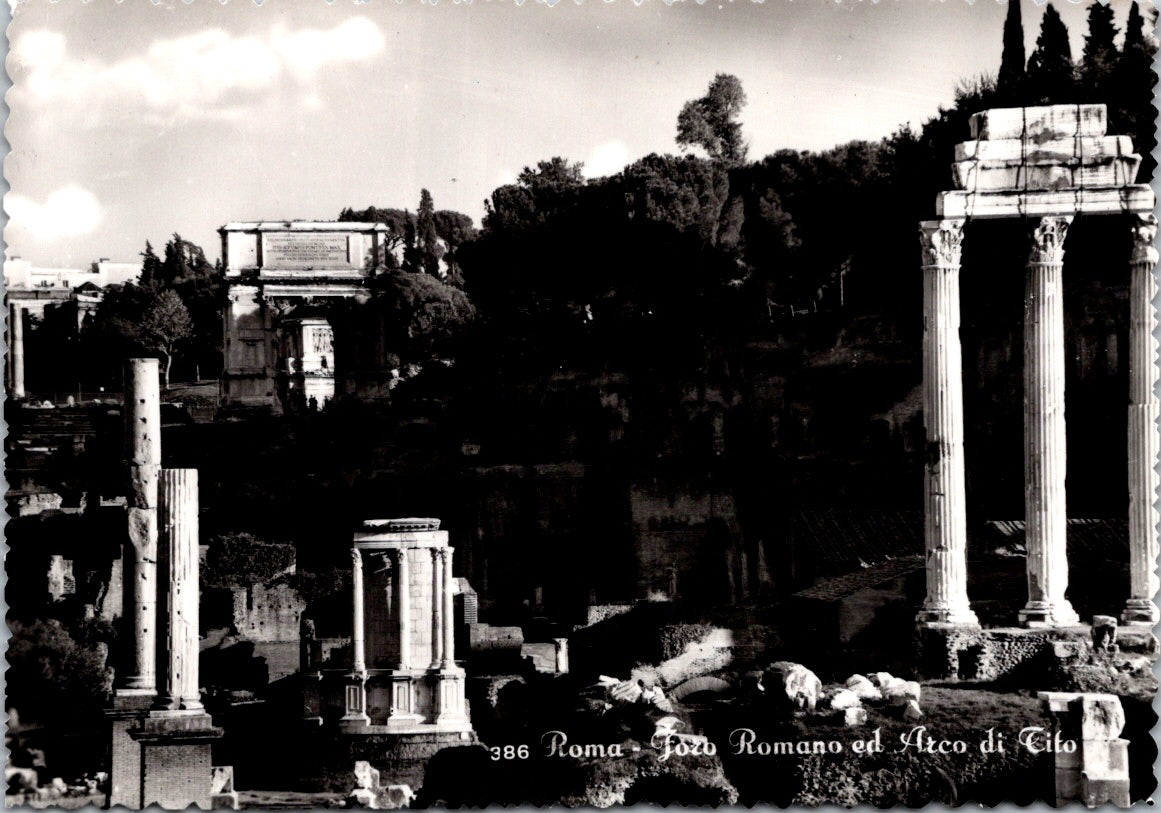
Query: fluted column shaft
[1045,504]
[177,654]
[358,646]
[436,607]
[16,349]
[1143,437]
[449,640]
[403,598]
[945,513]
[142,416]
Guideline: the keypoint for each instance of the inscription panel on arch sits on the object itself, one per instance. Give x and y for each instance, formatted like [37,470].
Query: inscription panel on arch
[306,250]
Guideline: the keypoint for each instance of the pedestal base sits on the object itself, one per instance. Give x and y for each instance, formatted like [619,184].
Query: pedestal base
[403,722]
[124,751]
[959,616]
[1038,614]
[450,699]
[1140,612]
[174,759]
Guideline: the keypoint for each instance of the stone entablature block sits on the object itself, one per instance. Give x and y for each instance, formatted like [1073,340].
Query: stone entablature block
[1039,124]
[1043,148]
[1045,203]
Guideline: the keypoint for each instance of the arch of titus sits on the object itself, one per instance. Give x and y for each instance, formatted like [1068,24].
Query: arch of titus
[281,278]
[1046,165]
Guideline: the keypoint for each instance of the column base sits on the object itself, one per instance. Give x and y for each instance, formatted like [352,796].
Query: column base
[175,708]
[959,616]
[356,701]
[450,702]
[1048,614]
[1140,612]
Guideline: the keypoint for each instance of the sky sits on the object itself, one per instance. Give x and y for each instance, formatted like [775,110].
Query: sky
[131,121]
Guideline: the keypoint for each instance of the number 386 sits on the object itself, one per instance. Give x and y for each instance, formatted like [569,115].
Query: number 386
[508,752]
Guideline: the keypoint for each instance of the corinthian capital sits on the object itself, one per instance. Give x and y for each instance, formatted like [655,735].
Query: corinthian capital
[940,242]
[1144,228]
[1048,240]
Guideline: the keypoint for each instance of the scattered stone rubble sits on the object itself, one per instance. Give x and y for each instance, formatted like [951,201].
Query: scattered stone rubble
[632,691]
[800,686]
[797,688]
[222,793]
[371,794]
[24,786]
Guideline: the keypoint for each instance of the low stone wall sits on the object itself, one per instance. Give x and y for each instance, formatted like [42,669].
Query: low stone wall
[1055,658]
[267,613]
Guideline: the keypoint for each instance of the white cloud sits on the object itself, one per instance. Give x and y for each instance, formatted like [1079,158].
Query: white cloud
[201,75]
[606,159]
[308,49]
[68,212]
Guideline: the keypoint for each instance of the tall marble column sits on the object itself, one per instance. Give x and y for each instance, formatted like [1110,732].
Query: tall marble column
[358,646]
[142,414]
[403,607]
[177,652]
[1045,507]
[436,607]
[1143,438]
[16,348]
[945,513]
[449,639]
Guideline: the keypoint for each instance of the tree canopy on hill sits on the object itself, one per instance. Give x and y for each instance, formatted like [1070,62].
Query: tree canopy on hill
[424,242]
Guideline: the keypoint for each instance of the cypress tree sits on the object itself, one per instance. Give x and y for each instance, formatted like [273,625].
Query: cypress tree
[1010,84]
[1051,74]
[1100,54]
[150,267]
[1131,110]
[426,237]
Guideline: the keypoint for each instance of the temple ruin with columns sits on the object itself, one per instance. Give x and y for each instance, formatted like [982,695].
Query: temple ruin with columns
[404,677]
[1046,166]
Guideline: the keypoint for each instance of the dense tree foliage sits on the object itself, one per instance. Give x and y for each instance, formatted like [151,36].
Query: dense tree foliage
[423,314]
[424,242]
[711,122]
[175,312]
[165,326]
[55,675]
[537,196]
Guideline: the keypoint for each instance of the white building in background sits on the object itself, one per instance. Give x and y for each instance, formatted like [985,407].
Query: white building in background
[29,290]
[20,274]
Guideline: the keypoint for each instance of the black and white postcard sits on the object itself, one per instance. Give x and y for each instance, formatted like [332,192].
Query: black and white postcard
[436,403]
